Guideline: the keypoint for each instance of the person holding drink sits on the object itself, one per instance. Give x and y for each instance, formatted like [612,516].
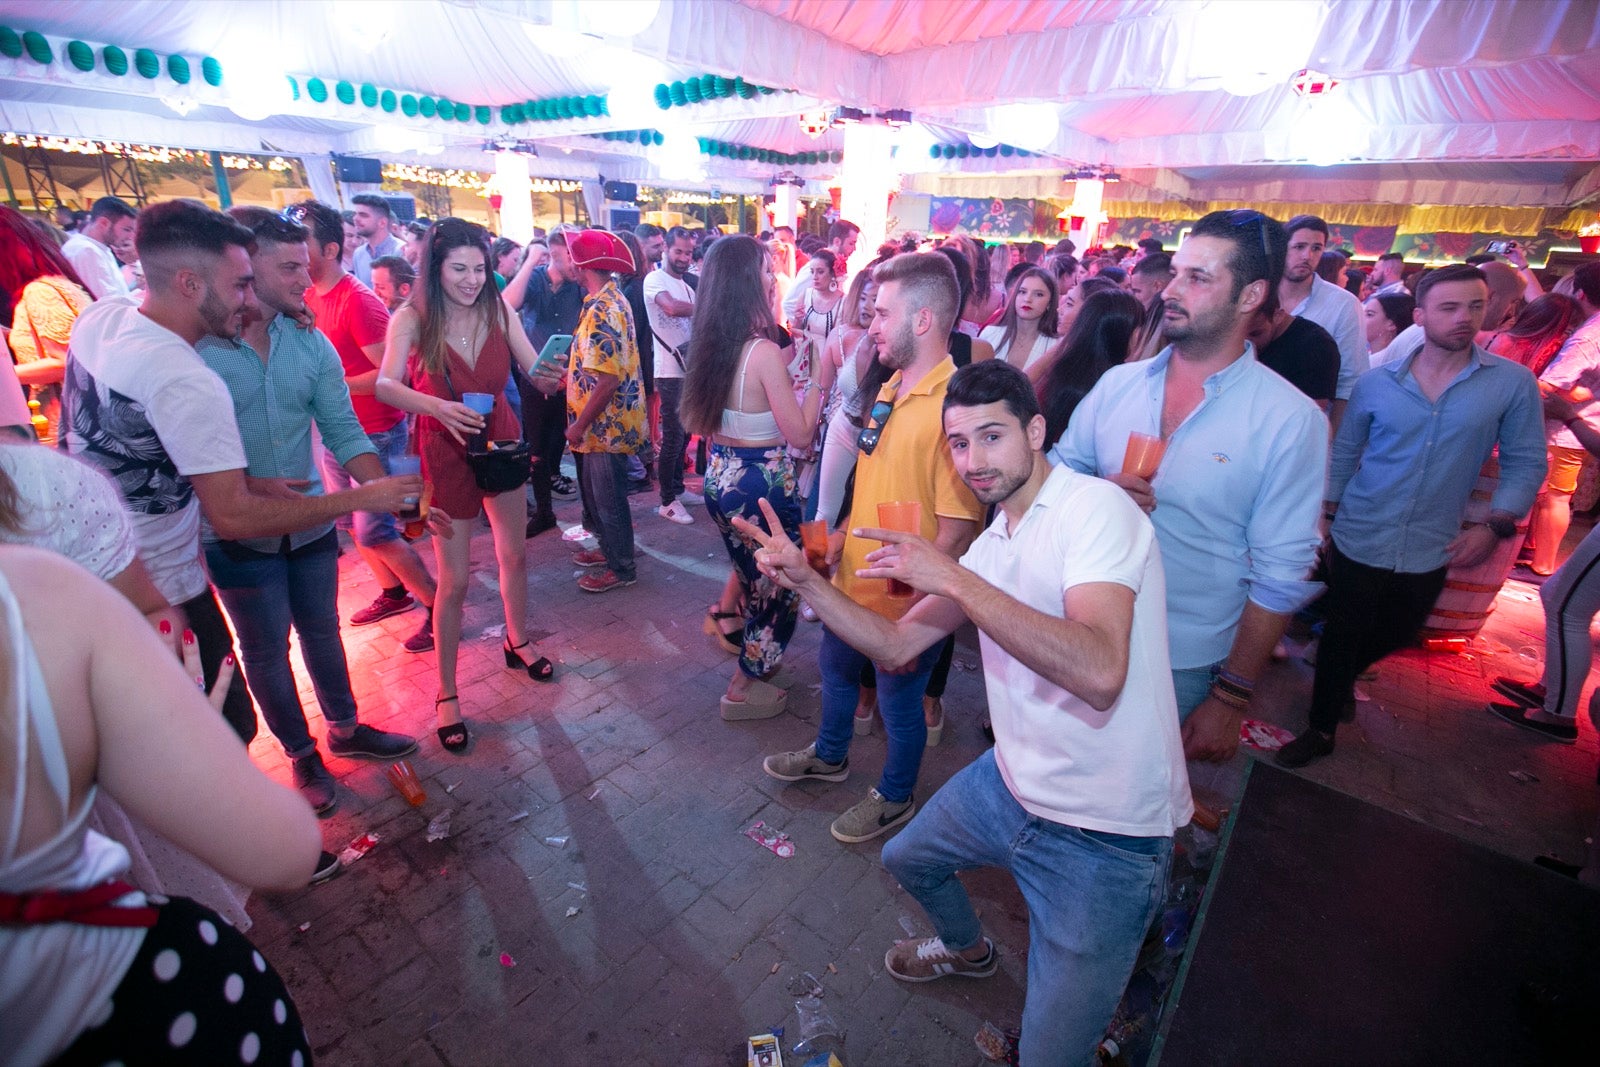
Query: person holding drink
[453,339]
[903,459]
[737,392]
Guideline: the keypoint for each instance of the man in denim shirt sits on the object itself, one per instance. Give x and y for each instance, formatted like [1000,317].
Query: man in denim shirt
[1404,465]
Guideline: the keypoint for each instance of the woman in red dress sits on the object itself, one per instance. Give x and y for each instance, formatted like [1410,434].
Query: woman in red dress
[456,337]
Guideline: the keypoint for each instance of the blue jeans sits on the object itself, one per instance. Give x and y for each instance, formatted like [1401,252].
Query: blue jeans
[265,594]
[899,702]
[1091,896]
[603,488]
[369,528]
[1192,685]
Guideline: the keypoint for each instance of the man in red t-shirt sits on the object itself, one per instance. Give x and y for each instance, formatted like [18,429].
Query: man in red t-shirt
[356,322]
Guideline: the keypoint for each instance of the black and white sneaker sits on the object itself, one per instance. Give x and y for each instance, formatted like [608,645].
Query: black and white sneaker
[328,865]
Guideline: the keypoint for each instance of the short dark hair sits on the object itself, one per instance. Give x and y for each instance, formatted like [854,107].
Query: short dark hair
[1154,263]
[326,224]
[175,227]
[1114,273]
[1150,245]
[376,203]
[646,230]
[112,207]
[1481,258]
[1455,272]
[838,231]
[1390,257]
[1586,280]
[268,225]
[399,270]
[1260,245]
[678,233]
[992,381]
[1305,222]
[1397,308]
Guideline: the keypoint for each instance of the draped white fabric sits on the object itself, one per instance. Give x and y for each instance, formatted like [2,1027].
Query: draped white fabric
[1140,85]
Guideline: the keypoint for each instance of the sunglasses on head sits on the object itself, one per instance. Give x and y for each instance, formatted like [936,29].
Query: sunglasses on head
[876,421]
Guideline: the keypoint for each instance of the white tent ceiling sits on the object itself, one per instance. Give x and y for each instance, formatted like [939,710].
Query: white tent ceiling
[1480,101]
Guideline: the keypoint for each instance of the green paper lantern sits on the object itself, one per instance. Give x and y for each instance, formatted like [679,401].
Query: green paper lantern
[345,93]
[743,88]
[508,114]
[368,95]
[708,86]
[147,63]
[38,47]
[594,106]
[656,138]
[80,55]
[463,112]
[481,113]
[963,151]
[948,151]
[765,90]
[663,94]
[427,107]
[178,69]
[1007,151]
[680,95]
[563,108]
[317,90]
[409,106]
[605,104]
[745,151]
[720,86]
[10,43]
[444,110]
[388,101]
[294,89]
[210,71]
[115,59]
[691,90]
[836,156]
[1023,153]
[631,136]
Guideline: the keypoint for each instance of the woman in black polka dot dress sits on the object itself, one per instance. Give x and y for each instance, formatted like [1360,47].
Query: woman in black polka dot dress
[92,971]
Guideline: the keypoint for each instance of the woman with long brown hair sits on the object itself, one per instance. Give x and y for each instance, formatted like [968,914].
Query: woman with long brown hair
[41,297]
[1538,332]
[737,392]
[1027,328]
[456,337]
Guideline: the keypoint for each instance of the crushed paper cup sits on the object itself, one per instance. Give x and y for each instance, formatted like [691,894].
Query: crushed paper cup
[1263,736]
[358,848]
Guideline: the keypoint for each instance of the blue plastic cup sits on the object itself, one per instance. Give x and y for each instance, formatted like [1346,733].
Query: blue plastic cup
[482,403]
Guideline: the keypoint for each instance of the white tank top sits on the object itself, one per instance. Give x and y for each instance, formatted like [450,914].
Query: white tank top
[748,425]
[53,978]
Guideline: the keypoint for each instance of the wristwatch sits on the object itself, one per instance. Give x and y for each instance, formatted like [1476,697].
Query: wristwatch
[1501,526]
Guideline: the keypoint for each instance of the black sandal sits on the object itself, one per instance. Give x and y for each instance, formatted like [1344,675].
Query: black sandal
[454,737]
[540,670]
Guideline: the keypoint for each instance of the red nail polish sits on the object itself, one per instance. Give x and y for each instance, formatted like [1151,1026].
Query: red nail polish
[188,637]
[227,661]
[166,628]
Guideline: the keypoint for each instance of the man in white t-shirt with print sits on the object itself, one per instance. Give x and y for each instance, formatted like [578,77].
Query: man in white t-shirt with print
[1086,783]
[139,403]
[669,301]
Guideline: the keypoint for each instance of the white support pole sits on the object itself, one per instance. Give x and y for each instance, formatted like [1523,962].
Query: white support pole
[516,191]
[866,178]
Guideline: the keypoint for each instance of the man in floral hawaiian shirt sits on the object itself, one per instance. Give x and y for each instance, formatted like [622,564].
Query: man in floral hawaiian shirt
[605,408]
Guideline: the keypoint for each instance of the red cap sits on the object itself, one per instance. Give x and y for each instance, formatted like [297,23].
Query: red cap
[600,250]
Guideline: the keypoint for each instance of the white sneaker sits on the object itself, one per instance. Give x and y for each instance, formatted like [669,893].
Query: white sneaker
[675,512]
[691,498]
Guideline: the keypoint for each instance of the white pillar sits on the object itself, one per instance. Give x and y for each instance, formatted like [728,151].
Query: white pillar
[516,192]
[866,178]
[785,205]
[1087,196]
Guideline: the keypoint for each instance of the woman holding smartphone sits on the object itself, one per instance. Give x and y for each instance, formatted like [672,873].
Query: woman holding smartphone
[456,337]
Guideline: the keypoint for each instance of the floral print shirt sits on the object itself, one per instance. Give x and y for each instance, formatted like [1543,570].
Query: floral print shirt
[604,344]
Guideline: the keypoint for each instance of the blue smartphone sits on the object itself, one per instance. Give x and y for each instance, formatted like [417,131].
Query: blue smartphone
[554,351]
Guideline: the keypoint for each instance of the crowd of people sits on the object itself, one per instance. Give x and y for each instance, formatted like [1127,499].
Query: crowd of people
[1131,471]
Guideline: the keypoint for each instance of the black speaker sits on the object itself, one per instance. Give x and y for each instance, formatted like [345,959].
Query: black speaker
[624,218]
[358,169]
[402,205]
[627,192]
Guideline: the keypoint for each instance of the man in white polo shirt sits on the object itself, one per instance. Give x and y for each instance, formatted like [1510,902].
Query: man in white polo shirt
[1086,783]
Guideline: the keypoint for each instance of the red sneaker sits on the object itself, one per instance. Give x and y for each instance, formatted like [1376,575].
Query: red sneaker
[603,582]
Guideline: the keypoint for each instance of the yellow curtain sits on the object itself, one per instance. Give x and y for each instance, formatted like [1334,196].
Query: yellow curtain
[1577,218]
[1516,221]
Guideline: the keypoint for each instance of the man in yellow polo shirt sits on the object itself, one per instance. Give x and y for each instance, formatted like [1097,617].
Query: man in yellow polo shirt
[903,457]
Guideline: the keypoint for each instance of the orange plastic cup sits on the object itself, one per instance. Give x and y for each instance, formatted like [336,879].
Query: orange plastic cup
[405,782]
[903,516]
[1143,456]
[814,538]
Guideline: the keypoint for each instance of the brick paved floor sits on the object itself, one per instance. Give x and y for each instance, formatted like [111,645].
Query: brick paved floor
[687,936]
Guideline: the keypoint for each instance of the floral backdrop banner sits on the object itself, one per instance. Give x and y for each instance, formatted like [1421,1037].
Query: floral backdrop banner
[993,219]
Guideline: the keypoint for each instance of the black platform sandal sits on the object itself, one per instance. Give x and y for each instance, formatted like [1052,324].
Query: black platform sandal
[454,737]
[540,670]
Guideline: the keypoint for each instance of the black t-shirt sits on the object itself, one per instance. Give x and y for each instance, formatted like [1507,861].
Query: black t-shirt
[1306,356]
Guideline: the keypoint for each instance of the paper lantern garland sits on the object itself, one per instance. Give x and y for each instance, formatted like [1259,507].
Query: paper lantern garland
[704,88]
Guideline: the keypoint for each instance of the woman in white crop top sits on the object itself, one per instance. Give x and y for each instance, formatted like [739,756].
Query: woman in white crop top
[738,392]
[86,962]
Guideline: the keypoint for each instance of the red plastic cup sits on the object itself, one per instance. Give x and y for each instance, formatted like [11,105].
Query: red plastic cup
[814,538]
[405,782]
[903,516]
[1143,457]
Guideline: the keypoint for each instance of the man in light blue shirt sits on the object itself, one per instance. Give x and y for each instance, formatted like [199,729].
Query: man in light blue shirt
[282,377]
[1405,462]
[374,223]
[1235,499]
[1308,296]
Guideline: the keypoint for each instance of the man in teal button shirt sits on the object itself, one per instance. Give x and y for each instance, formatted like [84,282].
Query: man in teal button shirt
[282,377]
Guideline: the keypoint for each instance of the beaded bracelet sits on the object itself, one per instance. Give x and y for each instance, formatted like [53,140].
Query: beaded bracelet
[1233,700]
